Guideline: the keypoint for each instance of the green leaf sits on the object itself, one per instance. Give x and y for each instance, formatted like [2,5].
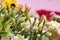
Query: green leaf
[1,26]
[1,18]
[2,10]
[6,25]
[3,34]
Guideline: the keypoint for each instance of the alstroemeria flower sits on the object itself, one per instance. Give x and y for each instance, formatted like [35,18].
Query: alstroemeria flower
[24,8]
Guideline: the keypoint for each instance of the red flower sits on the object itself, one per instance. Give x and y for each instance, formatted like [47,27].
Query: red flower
[57,13]
[44,12]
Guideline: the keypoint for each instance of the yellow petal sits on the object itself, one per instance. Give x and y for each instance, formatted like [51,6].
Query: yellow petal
[23,9]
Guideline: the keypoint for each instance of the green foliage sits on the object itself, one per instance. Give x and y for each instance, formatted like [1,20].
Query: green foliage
[55,19]
[11,21]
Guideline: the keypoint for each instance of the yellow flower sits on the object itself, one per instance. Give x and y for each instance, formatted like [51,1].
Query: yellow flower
[6,3]
[10,3]
[13,4]
[23,9]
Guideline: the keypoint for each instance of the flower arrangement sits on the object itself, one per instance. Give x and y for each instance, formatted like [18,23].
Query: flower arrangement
[16,24]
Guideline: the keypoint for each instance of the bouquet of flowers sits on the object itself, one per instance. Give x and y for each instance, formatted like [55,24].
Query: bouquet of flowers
[16,24]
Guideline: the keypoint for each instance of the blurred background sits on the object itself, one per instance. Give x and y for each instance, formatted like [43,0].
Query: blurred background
[53,5]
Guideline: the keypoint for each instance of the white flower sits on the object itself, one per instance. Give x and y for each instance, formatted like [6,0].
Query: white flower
[37,21]
[54,25]
[16,38]
[45,29]
[26,39]
[2,15]
[48,34]
[28,24]
[44,37]
[32,19]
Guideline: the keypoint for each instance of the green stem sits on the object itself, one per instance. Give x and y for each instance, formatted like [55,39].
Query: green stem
[40,37]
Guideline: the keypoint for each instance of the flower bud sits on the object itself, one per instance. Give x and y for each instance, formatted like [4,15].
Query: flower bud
[39,28]
[35,28]
[23,9]
[48,34]
[38,35]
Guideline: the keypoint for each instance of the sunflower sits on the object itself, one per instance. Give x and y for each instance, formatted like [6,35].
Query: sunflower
[6,3]
[10,3]
[13,4]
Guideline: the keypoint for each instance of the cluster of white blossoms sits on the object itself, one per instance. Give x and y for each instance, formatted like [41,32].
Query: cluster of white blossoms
[54,25]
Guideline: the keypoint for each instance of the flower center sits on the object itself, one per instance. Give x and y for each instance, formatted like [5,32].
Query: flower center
[12,5]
